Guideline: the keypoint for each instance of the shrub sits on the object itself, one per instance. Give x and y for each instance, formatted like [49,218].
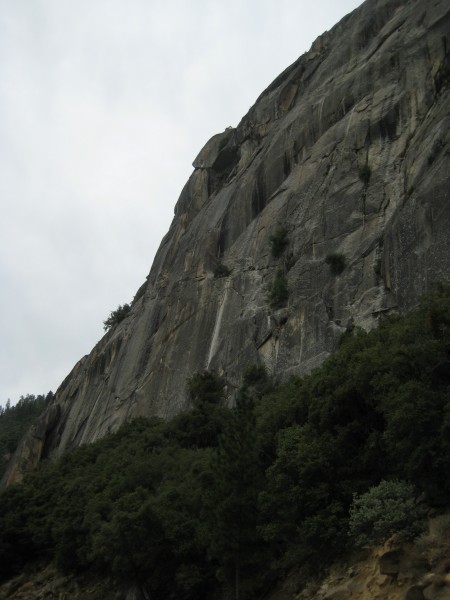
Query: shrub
[279,292]
[364,174]
[336,262]
[116,316]
[205,386]
[387,508]
[278,242]
[221,270]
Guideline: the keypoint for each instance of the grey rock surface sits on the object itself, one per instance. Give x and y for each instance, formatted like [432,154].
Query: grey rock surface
[348,150]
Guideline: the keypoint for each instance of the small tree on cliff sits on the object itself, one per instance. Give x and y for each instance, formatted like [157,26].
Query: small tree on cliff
[116,316]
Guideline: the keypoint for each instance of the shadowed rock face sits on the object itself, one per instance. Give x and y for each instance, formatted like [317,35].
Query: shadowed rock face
[348,151]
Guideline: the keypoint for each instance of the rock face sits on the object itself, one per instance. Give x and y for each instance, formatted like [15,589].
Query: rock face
[348,151]
[384,574]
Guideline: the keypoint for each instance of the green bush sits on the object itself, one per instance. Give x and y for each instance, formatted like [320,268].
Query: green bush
[221,270]
[201,426]
[365,173]
[116,316]
[279,292]
[205,386]
[388,508]
[278,242]
[336,262]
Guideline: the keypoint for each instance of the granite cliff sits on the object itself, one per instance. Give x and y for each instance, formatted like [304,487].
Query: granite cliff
[345,159]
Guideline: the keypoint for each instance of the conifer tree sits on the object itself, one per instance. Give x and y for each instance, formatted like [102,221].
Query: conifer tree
[233,513]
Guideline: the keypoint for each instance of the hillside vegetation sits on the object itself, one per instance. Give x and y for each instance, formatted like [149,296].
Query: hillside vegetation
[232,499]
[15,420]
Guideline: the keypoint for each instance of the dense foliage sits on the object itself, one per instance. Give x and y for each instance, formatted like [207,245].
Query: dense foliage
[15,420]
[234,498]
[386,509]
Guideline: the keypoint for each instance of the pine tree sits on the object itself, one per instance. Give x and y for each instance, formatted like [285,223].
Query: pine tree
[233,515]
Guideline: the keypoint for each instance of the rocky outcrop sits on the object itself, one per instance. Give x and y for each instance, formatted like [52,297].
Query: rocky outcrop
[348,151]
[418,570]
[393,571]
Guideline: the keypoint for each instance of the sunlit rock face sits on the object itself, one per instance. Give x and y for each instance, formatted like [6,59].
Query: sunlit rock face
[348,151]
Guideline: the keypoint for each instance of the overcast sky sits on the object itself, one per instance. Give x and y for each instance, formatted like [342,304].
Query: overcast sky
[104,104]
